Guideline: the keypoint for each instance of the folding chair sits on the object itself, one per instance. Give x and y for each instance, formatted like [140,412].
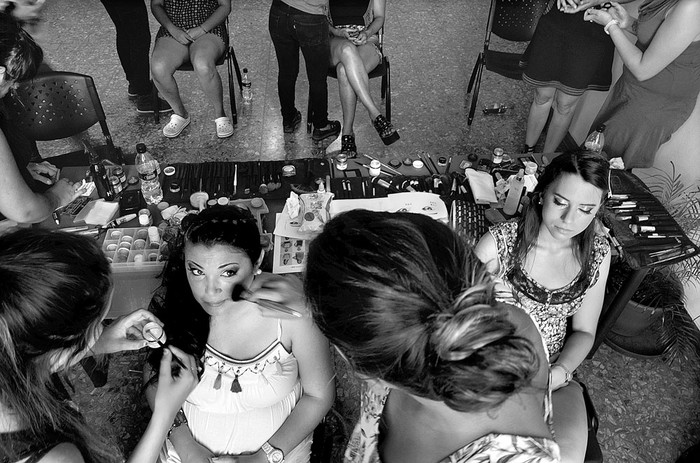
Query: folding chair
[512,20]
[228,57]
[382,70]
[59,105]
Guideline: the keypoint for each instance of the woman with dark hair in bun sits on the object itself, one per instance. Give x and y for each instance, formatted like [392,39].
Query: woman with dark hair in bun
[451,374]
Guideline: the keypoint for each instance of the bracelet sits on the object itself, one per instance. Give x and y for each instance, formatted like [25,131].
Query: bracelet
[568,376]
[612,22]
[179,420]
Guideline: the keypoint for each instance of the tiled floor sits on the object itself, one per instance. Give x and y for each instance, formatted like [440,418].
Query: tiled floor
[649,412]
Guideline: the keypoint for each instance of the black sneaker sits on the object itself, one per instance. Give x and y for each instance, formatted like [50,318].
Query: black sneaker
[332,129]
[131,92]
[144,105]
[290,127]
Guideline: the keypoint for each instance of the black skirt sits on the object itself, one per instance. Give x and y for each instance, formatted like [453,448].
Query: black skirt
[569,54]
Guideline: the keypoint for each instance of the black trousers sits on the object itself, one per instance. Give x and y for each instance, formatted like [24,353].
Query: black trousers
[130,17]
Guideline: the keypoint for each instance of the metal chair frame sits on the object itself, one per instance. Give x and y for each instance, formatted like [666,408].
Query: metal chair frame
[512,20]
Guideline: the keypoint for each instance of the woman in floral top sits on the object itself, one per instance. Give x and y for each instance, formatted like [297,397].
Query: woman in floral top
[556,264]
[451,374]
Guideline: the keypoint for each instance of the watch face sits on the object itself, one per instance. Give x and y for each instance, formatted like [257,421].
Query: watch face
[276,456]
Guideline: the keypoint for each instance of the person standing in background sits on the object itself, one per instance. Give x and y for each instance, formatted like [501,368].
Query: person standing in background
[296,24]
[130,18]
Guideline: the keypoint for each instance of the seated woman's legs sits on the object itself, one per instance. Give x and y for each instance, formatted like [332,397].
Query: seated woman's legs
[203,54]
[168,55]
[570,422]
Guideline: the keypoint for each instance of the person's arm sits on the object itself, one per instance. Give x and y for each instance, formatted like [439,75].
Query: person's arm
[486,251]
[189,450]
[312,352]
[218,17]
[680,28]
[584,324]
[373,27]
[158,12]
[18,202]
[169,397]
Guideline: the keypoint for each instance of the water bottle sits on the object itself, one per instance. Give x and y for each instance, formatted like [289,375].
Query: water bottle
[515,192]
[595,141]
[100,177]
[247,87]
[147,168]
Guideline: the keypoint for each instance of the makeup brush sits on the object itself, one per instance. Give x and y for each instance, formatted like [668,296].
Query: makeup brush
[153,332]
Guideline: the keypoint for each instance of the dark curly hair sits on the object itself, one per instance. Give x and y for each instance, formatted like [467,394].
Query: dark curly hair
[406,301]
[185,321]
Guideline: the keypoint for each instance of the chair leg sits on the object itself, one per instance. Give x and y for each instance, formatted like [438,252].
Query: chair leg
[477,85]
[231,91]
[232,54]
[156,113]
[474,72]
[387,91]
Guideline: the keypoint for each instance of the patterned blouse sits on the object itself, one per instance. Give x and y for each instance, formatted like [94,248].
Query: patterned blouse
[364,442]
[549,309]
[187,14]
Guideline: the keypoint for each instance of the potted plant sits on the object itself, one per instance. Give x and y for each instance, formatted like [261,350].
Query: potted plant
[659,302]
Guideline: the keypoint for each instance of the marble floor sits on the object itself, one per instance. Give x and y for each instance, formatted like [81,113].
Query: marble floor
[649,411]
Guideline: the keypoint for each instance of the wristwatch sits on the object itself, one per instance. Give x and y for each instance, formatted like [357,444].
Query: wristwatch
[274,455]
[179,420]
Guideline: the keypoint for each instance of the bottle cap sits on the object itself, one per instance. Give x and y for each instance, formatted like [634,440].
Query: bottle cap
[245,69]
[601,128]
[530,168]
[141,148]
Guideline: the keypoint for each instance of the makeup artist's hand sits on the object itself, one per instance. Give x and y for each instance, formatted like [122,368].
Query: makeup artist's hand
[44,172]
[285,289]
[64,191]
[124,333]
[567,6]
[173,389]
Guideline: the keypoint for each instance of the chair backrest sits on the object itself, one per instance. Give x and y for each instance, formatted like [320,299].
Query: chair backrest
[516,20]
[57,105]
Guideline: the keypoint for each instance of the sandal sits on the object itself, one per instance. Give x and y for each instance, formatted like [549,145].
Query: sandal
[348,147]
[385,130]
[224,128]
[176,125]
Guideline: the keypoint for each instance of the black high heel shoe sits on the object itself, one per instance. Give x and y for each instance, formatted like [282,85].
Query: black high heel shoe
[385,130]
[348,147]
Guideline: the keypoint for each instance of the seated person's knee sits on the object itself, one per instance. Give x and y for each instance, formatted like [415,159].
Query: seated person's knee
[203,66]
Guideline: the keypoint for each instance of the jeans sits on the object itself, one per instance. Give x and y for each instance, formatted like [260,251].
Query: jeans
[130,18]
[291,29]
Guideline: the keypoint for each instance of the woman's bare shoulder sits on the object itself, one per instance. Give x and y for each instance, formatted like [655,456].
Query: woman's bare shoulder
[64,452]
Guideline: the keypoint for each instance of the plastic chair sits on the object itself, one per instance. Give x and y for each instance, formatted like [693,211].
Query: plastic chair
[512,20]
[59,105]
[382,70]
[229,58]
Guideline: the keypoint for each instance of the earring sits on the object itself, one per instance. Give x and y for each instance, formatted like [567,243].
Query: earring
[258,272]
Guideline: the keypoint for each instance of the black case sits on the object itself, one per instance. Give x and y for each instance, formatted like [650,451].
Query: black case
[130,202]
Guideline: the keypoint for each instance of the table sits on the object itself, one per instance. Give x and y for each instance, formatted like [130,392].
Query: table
[217,179]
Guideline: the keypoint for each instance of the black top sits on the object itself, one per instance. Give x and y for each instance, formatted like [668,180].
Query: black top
[346,12]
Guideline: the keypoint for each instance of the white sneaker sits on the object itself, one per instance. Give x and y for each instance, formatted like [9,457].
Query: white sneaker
[224,128]
[176,125]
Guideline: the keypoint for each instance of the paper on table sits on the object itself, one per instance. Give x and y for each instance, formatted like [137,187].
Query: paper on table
[482,186]
[98,212]
[421,203]
[288,254]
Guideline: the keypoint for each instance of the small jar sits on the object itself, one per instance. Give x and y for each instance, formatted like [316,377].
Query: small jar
[375,168]
[145,218]
[120,174]
[116,184]
[174,187]
[153,234]
[341,161]
[497,156]
[289,170]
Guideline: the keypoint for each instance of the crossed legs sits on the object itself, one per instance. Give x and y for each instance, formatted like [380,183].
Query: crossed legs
[564,106]
[169,55]
[353,65]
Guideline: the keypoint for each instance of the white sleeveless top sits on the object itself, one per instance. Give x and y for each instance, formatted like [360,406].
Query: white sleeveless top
[231,423]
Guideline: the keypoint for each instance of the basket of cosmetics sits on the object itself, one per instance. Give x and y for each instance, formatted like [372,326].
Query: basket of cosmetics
[135,247]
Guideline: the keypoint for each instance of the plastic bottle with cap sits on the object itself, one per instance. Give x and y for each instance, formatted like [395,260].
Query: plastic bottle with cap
[147,168]
[515,192]
[246,87]
[530,176]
